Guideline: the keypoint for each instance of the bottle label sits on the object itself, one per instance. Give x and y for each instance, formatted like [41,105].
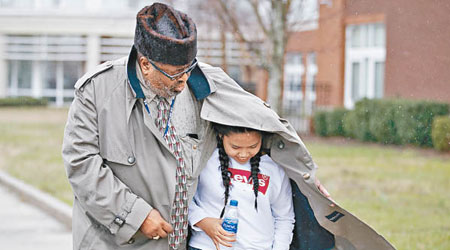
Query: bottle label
[230,225]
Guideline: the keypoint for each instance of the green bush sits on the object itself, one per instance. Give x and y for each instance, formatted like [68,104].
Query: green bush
[329,123]
[334,122]
[441,133]
[393,121]
[350,124]
[382,122]
[22,101]
[359,126]
[414,121]
[320,124]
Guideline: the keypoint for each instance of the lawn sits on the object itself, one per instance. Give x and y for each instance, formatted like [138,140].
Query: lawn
[403,193]
[30,148]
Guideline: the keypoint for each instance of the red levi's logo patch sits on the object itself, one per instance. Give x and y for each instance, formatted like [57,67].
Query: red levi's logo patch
[244,176]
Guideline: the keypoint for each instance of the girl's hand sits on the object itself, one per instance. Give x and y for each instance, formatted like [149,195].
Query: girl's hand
[324,191]
[213,228]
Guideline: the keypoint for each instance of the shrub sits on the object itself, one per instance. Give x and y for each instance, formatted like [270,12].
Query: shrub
[359,126]
[22,101]
[329,123]
[350,124]
[393,121]
[382,122]
[414,121]
[334,122]
[320,126]
[440,133]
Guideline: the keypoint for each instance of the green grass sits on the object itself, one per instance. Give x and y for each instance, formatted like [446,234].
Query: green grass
[403,193]
[30,148]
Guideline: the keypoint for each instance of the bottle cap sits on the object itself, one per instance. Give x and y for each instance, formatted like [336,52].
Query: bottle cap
[233,203]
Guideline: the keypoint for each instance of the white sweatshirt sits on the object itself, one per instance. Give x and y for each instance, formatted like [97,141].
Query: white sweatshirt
[268,228]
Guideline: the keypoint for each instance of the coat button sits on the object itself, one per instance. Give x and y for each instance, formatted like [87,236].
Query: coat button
[306,176]
[194,147]
[281,145]
[131,159]
[131,241]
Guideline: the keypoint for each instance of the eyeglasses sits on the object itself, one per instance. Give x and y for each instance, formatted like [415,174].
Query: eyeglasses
[177,75]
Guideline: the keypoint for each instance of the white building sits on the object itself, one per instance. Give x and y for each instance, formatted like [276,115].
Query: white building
[46,45]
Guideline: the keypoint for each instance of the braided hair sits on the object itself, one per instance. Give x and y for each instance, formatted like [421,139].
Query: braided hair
[224,159]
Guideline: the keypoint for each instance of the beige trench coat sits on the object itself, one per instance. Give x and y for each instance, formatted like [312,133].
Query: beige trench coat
[120,168]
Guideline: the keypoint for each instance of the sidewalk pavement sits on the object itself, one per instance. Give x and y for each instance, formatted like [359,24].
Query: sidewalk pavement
[25,227]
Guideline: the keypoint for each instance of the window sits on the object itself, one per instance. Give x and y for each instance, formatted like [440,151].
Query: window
[72,71]
[292,95]
[44,66]
[24,76]
[48,73]
[379,77]
[365,54]
[19,77]
[355,80]
[310,91]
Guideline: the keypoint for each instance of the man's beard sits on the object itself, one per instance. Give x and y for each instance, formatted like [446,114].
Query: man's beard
[165,91]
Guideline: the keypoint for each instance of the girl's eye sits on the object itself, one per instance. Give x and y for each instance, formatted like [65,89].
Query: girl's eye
[235,147]
[254,146]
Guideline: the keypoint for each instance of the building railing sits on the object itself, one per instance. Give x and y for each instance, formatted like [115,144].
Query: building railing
[313,97]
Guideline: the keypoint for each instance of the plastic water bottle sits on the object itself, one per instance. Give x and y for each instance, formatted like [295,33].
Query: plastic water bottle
[231,220]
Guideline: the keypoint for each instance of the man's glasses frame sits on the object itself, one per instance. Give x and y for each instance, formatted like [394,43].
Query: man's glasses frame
[177,75]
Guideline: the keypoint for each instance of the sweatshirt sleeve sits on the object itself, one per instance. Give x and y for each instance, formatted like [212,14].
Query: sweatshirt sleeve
[283,213]
[99,192]
[196,213]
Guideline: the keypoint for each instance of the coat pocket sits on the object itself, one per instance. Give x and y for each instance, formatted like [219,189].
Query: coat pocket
[118,154]
[191,153]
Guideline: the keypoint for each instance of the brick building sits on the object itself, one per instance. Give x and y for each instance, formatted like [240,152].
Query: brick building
[370,48]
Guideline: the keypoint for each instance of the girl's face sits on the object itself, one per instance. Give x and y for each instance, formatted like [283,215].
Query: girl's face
[242,146]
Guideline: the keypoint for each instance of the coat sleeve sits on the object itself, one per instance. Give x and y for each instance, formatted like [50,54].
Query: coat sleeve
[103,196]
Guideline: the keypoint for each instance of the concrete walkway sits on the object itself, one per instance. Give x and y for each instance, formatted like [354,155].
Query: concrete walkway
[24,227]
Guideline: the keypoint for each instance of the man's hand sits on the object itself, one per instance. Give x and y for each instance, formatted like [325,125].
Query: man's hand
[213,228]
[155,226]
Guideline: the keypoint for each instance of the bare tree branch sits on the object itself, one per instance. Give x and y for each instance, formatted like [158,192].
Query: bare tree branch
[237,31]
[255,6]
[288,4]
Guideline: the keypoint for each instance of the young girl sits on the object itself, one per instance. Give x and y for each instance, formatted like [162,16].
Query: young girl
[238,170]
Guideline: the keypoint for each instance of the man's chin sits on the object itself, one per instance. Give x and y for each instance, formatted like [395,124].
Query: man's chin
[171,94]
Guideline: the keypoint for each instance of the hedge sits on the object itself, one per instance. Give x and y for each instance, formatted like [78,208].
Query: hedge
[330,123]
[320,124]
[383,120]
[440,133]
[357,125]
[22,101]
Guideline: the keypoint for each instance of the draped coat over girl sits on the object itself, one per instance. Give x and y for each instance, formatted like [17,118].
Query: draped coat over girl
[120,168]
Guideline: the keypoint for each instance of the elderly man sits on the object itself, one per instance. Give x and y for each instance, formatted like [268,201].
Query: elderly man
[138,134]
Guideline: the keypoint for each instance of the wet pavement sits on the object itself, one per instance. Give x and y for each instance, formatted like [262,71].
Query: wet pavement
[24,227]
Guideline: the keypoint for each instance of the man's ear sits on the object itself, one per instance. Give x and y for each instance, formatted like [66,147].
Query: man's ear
[145,65]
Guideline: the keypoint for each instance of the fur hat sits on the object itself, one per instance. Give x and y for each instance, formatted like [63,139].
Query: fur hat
[165,35]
